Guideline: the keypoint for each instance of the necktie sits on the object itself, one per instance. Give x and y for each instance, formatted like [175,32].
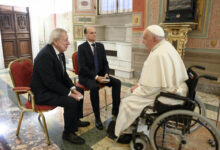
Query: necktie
[96,59]
[61,57]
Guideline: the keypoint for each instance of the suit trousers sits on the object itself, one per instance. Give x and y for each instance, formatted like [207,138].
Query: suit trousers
[73,110]
[92,85]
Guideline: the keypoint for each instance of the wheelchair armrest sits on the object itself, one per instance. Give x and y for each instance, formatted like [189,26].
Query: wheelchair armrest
[161,107]
[173,96]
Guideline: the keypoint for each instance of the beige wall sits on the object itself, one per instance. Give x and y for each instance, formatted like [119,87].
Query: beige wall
[203,47]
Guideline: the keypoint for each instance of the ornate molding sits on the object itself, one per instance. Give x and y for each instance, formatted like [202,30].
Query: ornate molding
[177,34]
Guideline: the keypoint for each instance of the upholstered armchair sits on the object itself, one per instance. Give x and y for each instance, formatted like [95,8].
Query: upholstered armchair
[21,73]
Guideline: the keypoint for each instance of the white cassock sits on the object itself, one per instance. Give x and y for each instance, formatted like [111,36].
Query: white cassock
[163,70]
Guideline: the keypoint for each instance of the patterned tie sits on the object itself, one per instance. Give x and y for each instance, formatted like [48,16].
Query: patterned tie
[96,59]
[61,57]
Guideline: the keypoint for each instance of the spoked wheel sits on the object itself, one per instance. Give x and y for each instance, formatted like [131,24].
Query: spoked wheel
[200,109]
[171,131]
[141,143]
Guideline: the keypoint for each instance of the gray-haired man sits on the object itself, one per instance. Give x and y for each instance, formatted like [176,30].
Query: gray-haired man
[51,84]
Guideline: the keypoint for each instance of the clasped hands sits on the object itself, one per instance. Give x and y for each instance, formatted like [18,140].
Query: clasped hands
[102,80]
[76,95]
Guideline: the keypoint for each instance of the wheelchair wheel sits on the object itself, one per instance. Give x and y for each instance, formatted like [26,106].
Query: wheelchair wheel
[141,143]
[171,131]
[200,109]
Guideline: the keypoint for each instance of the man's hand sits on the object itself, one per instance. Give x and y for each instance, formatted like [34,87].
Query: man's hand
[106,76]
[76,95]
[133,88]
[104,79]
[100,79]
[76,92]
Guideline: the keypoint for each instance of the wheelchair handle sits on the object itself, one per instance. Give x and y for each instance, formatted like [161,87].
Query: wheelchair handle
[198,67]
[209,77]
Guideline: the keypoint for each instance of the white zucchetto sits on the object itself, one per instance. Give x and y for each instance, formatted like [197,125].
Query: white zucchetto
[157,30]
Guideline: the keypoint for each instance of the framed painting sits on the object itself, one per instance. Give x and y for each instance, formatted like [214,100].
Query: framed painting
[181,11]
[179,5]
[137,19]
[84,6]
[78,31]
[84,19]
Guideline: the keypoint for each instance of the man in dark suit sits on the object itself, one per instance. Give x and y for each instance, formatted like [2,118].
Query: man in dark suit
[51,84]
[94,69]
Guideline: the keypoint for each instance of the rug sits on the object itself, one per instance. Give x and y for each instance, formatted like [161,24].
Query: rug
[87,106]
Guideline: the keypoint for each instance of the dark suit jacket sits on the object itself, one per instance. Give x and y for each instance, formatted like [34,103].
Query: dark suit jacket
[48,80]
[86,61]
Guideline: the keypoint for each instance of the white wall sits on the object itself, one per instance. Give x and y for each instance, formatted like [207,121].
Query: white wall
[42,20]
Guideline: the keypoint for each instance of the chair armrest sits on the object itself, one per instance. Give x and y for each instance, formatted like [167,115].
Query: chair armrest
[173,96]
[161,107]
[21,89]
[73,70]
[186,100]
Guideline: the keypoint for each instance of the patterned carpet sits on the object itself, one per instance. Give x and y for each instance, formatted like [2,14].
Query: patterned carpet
[32,137]
[87,106]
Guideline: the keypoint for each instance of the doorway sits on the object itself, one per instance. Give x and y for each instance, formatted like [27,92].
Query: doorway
[15,33]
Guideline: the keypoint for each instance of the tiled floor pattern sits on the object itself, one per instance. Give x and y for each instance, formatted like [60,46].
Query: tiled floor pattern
[32,137]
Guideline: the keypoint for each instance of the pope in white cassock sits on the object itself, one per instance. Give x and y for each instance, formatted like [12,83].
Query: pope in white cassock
[163,70]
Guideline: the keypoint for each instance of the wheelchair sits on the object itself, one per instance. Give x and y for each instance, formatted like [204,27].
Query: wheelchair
[180,126]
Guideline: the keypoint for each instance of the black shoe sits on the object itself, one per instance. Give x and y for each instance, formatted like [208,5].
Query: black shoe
[98,124]
[111,130]
[83,123]
[72,137]
[125,138]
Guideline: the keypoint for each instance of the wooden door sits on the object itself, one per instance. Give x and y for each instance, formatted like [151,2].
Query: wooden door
[15,31]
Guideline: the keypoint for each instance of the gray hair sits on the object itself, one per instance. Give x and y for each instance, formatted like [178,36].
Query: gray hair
[55,34]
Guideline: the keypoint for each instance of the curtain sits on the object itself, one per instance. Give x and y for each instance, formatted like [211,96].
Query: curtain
[107,6]
[114,6]
[124,6]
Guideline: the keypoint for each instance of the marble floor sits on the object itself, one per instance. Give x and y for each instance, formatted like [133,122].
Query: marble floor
[32,137]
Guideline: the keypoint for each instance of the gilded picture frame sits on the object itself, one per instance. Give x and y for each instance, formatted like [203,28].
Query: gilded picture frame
[137,19]
[78,31]
[86,19]
[84,6]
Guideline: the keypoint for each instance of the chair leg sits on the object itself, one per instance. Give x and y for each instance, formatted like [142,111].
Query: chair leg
[105,93]
[218,115]
[39,117]
[45,127]
[19,123]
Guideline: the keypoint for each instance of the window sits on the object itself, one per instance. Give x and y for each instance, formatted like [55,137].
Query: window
[114,6]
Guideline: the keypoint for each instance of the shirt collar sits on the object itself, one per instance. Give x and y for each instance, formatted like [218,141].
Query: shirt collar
[90,43]
[56,51]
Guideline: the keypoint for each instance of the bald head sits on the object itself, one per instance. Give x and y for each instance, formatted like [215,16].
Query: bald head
[152,35]
[90,34]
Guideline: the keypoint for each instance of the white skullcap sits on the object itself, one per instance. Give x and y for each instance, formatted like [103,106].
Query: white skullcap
[157,30]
